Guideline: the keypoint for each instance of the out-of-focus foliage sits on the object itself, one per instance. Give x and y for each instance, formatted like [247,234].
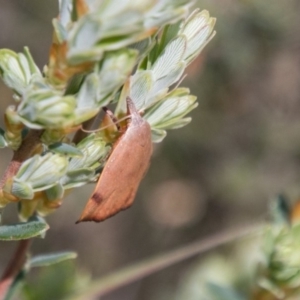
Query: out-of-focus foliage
[266,266]
[54,282]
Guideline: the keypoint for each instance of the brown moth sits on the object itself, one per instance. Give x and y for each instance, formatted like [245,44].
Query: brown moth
[123,171]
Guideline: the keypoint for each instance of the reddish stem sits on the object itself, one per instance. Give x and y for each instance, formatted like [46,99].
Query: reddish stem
[25,151]
[17,261]
[15,265]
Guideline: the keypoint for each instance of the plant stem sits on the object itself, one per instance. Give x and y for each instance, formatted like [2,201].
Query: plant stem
[142,269]
[30,143]
[15,265]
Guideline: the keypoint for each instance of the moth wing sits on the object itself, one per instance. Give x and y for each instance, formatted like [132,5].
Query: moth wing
[122,174]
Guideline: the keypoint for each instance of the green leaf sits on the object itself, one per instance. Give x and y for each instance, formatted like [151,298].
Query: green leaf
[44,107]
[74,84]
[140,86]
[169,33]
[66,149]
[59,30]
[115,69]
[51,259]
[55,282]
[143,47]
[17,69]
[198,29]
[20,189]
[55,192]
[170,57]
[23,231]
[41,172]
[162,84]
[76,178]
[176,123]
[169,112]
[33,68]
[94,150]
[87,96]
[158,135]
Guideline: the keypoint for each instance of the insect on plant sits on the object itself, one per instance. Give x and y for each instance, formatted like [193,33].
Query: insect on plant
[129,54]
[123,171]
[137,71]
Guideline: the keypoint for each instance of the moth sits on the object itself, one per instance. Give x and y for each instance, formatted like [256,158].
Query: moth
[123,171]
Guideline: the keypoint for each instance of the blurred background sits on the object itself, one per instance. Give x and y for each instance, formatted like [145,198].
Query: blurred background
[241,149]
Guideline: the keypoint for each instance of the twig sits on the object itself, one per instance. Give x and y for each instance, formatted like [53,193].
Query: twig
[15,265]
[140,270]
[17,261]
[25,150]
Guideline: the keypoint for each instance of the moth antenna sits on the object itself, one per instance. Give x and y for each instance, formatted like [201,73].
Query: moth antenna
[104,127]
[132,112]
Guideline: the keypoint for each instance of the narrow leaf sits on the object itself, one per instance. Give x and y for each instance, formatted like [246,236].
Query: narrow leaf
[22,231]
[66,149]
[51,259]
[157,135]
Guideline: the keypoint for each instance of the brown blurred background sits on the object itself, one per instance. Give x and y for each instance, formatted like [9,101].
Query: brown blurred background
[241,149]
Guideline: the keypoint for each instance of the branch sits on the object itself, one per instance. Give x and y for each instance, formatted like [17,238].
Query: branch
[31,141]
[142,269]
[14,267]
[17,261]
